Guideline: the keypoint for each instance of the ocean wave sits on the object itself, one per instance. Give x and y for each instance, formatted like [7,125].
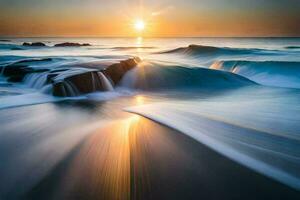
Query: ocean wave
[195,50]
[5,47]
[259,133]
[35,98]
[271,73]
[156,76]
[11,59]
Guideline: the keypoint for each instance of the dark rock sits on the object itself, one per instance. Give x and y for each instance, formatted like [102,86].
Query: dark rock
[51,76]
[17,71]
[83,80]
[5,40]
[55,72]
[38,70]
[71,44]
[13,70]
[59,90]
[38,44]
[116,71]
[16,78]
[34,44]
[72,81]
[26,44]
[21,67]
[76,84]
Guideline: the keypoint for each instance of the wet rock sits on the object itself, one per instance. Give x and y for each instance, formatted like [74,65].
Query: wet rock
[16,78]
[12,70]
[17,71]
[59,90]
[76,82]
[71,44]
[51,76]
[116,71]
[34,44]
[72,81]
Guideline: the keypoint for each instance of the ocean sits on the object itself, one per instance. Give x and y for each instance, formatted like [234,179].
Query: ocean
[150,118]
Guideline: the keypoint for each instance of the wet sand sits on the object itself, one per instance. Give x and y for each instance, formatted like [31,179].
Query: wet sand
[135,158]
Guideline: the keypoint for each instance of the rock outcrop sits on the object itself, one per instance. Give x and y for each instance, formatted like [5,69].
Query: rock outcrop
[17,71]
[34,44]
[76,82]
[116,71]
[71,44]
[69,81]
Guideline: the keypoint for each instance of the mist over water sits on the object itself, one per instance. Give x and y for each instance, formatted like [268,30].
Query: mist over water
[71,129]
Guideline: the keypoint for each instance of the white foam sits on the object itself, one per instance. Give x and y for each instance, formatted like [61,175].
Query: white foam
[262,147]
[27,99]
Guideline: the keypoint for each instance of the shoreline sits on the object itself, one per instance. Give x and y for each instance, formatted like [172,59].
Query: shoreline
[159,163]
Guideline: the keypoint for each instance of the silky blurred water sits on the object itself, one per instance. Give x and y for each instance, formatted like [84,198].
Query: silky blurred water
[226,100]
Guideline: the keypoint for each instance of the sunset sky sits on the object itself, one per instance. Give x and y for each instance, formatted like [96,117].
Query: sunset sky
[163,18]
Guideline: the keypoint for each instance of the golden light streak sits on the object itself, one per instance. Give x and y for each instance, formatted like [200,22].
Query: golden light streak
[140,100]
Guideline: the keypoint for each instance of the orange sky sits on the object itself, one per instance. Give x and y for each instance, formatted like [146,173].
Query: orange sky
[163,18]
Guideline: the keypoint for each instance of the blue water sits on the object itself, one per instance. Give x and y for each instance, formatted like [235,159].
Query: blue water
[237,96]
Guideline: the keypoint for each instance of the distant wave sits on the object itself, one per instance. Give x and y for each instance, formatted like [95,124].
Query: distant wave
[11,59]
[132,47]
[5,46]
[207,50]
[271,73]
[155,76]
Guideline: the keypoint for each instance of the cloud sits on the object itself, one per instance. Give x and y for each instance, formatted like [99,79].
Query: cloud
[162,11]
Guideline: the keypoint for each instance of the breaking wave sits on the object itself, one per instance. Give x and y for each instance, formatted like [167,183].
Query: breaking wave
[154,76]
[195,50]
[257,127]
[271,73]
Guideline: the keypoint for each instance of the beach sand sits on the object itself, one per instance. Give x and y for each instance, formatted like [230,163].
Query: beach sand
[135,158]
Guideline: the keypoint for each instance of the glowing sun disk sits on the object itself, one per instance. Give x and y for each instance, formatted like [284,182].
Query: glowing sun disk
[139,25]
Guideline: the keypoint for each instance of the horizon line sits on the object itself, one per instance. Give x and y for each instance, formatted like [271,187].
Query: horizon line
[149,37]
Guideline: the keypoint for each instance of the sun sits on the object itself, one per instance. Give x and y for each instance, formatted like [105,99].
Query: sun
[139,25]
